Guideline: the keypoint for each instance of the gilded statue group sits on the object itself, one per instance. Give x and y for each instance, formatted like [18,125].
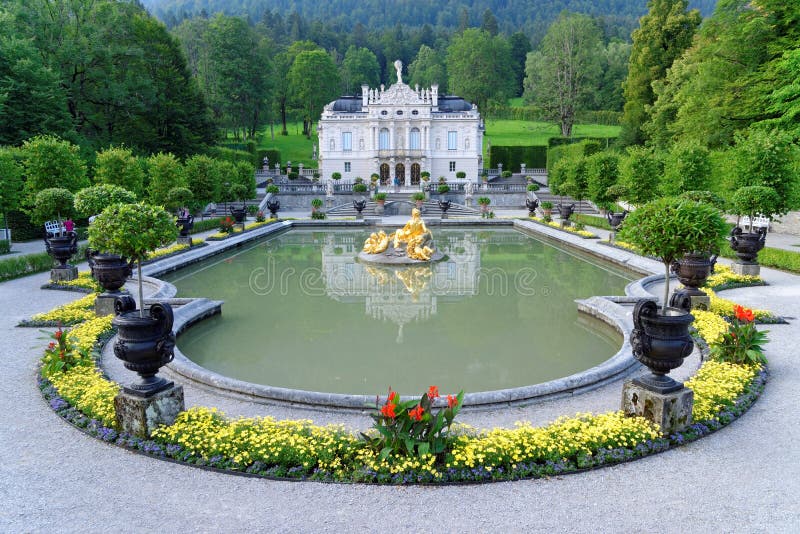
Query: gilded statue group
[414,240]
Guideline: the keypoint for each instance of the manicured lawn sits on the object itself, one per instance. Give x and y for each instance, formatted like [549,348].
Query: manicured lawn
[297,149]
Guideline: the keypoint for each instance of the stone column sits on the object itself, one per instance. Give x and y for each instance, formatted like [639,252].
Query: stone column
[407,172]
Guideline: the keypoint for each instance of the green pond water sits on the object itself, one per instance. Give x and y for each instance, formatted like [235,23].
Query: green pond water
[300,312]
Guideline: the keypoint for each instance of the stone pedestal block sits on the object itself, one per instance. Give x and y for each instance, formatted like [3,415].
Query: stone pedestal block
[104,303]
[359,216]
[64,275]
[612,237]
[141,415]
[185,240]
[671,411]
[444,215]
[746,269]
[700,302]
[379,208]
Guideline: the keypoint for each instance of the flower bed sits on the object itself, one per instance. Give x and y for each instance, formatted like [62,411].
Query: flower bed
[83,284]
[220,236]
[298,449]
[724,278]
[583,233]
[67,315]
[172,250]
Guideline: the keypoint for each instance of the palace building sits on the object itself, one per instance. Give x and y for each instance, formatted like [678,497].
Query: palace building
[398,133]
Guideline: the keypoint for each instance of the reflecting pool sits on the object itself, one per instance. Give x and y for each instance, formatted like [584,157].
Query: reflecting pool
[300,312]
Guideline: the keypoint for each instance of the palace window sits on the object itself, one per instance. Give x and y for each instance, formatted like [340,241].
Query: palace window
[383,139]
[452,140]
[347,141]
[452,166]
[414,143]
[399,111]
[415,112]
[346,166]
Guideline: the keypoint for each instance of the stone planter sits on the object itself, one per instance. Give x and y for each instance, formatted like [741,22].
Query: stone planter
[62,248]
[110,270]
[359,206]
[548,212]
[661,342]
[239,215]
[273,205]
[747,245]
[566,211]
[185,224]
[379,207]
[692,270]
[532,204]
[144,344]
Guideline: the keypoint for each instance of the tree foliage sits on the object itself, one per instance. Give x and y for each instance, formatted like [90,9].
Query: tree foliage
[51,204]
[562,74]
[478,67]
[93,200]
[165,173]
[602,174]
[640,175]
[687,168]
[118,166]
[360,66]
[427,69]
[313,79]
[663,34]
[132,230]
[11,182]
[50,161]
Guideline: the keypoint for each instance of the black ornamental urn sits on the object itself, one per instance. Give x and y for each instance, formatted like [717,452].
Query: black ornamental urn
[239,214]
[660,341]
[532,204]
[615,219]
[185,224]
[692,270]
[444,205]
[62,248]
[144,344]
[567,211]
[273,205]
[359,206]
[747,244]
[110,270]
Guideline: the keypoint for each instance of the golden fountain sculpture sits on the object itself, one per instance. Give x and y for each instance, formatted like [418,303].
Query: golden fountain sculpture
[413,241]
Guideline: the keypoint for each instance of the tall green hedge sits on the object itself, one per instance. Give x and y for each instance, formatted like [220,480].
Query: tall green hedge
[273,155]
[535,157]
[604,142]
[229,154]
[572,151]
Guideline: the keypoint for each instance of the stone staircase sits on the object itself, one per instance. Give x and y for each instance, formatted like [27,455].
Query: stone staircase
[584,206]
[399,204]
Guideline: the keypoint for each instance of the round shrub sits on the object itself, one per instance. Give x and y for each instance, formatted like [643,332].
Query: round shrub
[755,200]
[93,200]
[52,203]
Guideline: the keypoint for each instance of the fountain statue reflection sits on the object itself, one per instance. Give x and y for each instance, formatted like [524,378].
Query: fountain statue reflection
[411,244]
[403,294]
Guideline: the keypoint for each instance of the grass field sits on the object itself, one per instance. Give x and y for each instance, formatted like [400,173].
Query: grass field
[297,149]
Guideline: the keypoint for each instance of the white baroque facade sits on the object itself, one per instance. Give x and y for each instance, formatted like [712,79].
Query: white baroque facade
[398,133]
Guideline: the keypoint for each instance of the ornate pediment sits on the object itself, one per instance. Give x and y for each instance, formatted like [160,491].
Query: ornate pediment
[401,94]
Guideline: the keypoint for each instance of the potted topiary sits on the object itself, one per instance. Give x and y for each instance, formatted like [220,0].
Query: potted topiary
[532,188]
[336,176]
[667,228]
[484,202]
[51,205]
[443,189]
[316,204]
[144,343]
[461,175]
[380,200]
[547,208]
[418,198]
[109,270]
[359,188]
[752,201]
[506,174]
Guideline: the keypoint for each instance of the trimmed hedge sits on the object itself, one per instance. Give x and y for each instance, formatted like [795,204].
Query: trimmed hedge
[604,142]
[229,154]
[23,265]
[205,225]
[535,157]
[273,155]
[571,151]
[785,260]
[590,220]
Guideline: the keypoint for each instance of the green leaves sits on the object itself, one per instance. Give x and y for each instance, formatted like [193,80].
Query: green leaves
[413,428]
[52,203]
[132,230]
[93,200]
[754,200]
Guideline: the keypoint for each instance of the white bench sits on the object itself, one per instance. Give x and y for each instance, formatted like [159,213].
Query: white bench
[758,222]
[53,228]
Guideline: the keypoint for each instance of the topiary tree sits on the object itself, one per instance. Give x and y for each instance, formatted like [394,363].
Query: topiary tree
[602,172]
[52,203]
[132,230]
[767,159]
[707,197]
[336,176]
[245,175]
[165,173]
[93,200]
[50,161]
[177,198]
[240,192]
[640,172]
[576,184]
[670,227]
[118,166]
[202,175]
[688,168]
[756,200]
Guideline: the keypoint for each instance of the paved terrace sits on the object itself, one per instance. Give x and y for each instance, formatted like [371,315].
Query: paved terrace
[743,478]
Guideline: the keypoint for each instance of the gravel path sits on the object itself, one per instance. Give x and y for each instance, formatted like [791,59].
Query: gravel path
[741,479]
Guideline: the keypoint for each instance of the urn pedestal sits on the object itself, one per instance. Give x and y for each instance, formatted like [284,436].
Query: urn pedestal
[660,341]
[747,245]
[110,271]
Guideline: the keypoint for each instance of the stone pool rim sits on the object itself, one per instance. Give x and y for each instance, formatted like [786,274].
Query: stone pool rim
[610,310]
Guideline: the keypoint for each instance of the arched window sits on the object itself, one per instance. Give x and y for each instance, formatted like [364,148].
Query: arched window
[414,144]
[383,139]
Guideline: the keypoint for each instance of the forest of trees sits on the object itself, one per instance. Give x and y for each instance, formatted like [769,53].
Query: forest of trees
[532,17]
